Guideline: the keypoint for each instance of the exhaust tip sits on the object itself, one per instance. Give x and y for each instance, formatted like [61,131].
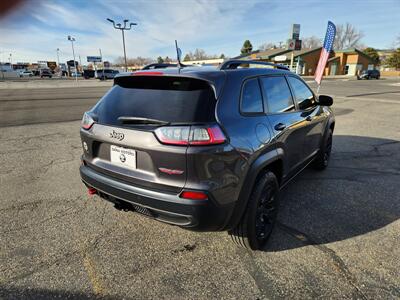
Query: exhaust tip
[92,191]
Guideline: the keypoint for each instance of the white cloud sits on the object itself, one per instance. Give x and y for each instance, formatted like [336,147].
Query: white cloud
[160,23]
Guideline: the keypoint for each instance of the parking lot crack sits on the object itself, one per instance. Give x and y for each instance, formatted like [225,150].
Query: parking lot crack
[264,285]
[336,259]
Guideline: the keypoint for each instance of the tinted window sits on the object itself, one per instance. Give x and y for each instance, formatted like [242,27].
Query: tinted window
[165,98]
[251,97]
[302,94]
[278,94]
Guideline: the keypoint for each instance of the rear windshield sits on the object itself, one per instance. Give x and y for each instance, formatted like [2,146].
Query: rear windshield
[164,98]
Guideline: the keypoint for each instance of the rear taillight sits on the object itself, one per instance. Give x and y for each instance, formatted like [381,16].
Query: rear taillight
[190,135]
[193,195]
[87,121]
[148,73]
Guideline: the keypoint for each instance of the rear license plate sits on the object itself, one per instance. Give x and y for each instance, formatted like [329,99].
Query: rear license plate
[123,157]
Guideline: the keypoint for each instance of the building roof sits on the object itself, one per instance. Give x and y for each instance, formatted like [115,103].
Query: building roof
[267,54]
[306,51]
[354,51]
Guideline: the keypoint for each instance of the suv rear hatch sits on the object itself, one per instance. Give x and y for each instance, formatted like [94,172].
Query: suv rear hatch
[139,126]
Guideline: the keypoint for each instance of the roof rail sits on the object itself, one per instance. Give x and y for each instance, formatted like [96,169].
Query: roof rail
[160,66]
[235,63]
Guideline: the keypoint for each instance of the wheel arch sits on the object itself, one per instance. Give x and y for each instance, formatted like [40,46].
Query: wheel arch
[270,161]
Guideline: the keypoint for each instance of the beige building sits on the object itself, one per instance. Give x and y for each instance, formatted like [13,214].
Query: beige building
[305,61]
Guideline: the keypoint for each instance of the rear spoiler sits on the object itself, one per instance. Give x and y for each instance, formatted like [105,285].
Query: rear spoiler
[161,66]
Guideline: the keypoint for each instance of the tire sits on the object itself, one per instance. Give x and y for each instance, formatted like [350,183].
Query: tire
[322,159]
[259,218]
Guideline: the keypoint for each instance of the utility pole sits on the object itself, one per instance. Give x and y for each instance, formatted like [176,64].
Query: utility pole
[123,28]
[58,62]
[101,57]
[1,65]
[72,39]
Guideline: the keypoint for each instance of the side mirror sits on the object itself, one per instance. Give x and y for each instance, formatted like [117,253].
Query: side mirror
[325,100]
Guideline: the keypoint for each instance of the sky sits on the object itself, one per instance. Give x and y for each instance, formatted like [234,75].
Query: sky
[35,30]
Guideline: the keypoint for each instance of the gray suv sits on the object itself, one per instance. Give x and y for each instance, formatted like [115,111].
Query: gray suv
[205,148]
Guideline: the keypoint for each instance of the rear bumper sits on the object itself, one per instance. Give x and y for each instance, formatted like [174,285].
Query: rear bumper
[201,215]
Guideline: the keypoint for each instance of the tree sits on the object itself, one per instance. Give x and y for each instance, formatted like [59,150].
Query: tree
[167,60]
[311,42]
[138,61]
[267,46]
[371,52]
[347,36]
[160,60]
[198,54]
[393,61]
[247,47]
[222,56]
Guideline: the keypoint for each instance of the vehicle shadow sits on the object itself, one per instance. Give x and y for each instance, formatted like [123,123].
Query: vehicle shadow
[358,193]
[43,294]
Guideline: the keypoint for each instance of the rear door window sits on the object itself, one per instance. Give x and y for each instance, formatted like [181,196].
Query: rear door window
[164,98]
[278,94]
[251,101]
[303,96]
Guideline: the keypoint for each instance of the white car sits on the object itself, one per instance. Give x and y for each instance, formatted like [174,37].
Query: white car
[25,74]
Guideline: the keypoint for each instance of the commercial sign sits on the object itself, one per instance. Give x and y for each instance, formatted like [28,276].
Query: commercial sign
[71,63]
[295,32]
[280,58]
[93,58]
[106,64]
[294,44]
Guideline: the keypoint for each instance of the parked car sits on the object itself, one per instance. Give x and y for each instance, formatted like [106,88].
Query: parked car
[45,73]
[25,74]
[106,74]
[206,149]
[88,74]
[368,74]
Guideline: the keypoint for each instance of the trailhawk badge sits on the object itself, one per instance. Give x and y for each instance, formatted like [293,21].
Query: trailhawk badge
[117,135]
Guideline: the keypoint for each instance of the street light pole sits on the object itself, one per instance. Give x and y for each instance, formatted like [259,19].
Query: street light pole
[72,39]
[123,28]
[123,43]
[58,62]
[58,57]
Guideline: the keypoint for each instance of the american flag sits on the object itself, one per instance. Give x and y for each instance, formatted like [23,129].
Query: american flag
[326,49]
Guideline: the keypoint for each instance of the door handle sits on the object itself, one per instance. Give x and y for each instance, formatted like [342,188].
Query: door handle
[309,118]
[280,126]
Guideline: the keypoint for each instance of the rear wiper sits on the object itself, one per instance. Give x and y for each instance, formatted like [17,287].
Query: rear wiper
[141,121]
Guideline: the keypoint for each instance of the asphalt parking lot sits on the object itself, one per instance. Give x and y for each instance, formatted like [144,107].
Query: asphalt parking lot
[337,236]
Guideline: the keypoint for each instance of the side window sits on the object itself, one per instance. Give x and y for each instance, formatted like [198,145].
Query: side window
[302,94]
[251,101]
[278,94]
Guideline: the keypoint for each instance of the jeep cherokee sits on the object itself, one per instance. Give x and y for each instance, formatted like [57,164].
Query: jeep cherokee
[205,148]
